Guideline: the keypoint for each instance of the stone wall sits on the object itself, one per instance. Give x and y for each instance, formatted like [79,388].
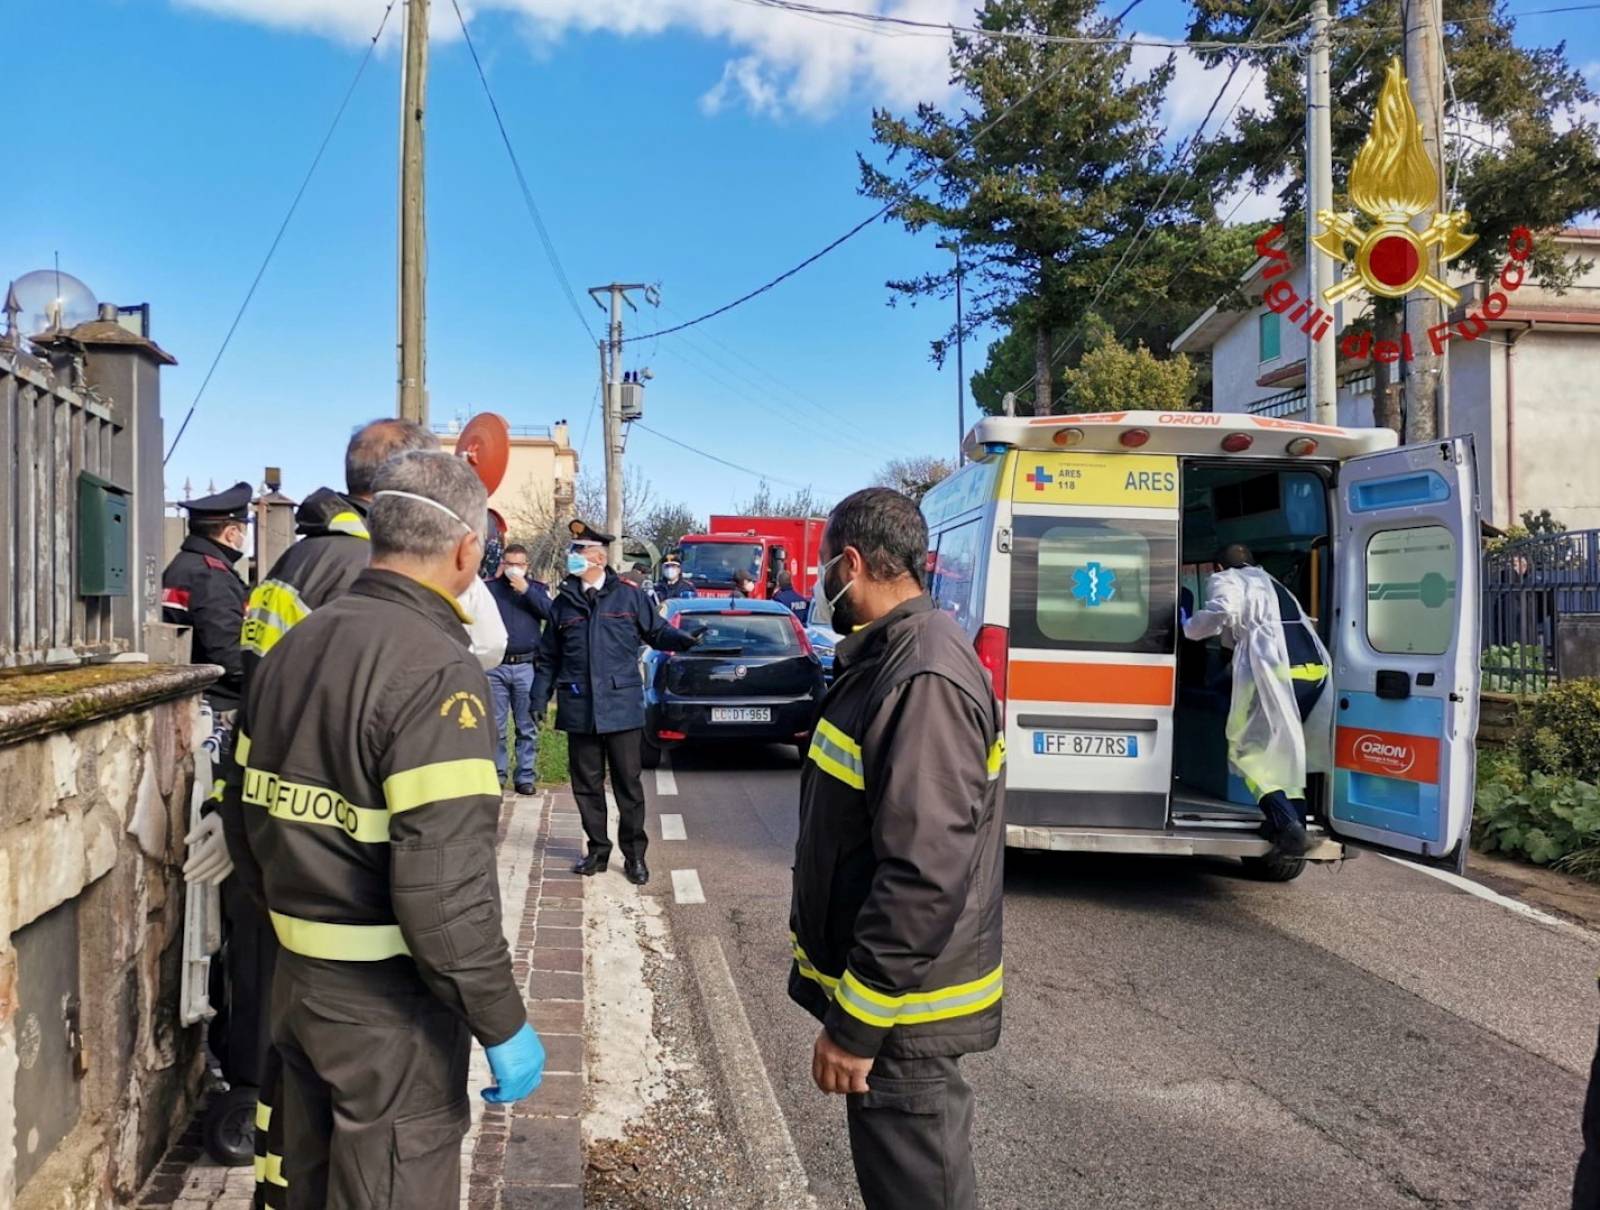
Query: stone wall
[96,1073]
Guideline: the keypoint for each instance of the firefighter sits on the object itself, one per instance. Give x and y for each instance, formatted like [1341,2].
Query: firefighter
[895,914]
[201,590]
[369,807]
[1279,719]
[589,658]
[333,548]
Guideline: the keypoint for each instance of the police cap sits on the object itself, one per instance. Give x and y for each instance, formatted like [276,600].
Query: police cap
[230,505]
[583,532]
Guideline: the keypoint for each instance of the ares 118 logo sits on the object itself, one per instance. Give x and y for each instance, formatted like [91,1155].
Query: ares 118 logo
[1392,182]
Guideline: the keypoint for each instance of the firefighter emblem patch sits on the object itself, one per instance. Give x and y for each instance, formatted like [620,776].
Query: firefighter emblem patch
[467,708]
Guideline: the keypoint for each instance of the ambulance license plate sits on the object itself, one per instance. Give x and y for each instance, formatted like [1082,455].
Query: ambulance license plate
[1084,743]
[741,714]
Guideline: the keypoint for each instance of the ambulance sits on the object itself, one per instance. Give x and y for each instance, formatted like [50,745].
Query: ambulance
[1066,548]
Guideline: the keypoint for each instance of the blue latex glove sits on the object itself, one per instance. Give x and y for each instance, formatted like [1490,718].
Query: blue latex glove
[518,1066]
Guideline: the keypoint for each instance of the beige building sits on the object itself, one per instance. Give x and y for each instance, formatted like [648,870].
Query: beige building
[1524,389]
[541,476]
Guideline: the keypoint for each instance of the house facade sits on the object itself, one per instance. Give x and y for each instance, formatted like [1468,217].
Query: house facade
[1526,389]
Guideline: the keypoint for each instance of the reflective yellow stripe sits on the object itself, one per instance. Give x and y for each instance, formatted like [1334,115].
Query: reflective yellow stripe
[805,967]
[297,802]
[837,754]
[261,1169]
[997,757]
[274,1171]
[440,781]
[273,610]
[263,1114]
[339,942]
[241,750]
[218,785]
[915,1008]
[350,523]
[1308,672]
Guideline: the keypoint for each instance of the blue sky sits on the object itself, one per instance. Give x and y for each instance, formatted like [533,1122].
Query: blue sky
[704,144]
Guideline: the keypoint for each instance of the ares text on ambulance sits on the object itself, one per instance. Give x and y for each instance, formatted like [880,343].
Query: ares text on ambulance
[1064,549]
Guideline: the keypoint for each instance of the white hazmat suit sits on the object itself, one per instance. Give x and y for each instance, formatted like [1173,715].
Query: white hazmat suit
[1267,744]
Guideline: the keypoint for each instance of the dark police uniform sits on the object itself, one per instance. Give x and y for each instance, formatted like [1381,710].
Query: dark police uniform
[334,548]
[589,659]
[523,614]
[364,820]
[200,589]
[896,910]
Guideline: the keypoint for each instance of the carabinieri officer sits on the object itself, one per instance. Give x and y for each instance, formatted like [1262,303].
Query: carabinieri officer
[589,658]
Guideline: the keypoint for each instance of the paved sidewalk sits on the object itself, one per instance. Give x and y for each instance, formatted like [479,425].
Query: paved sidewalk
[527,1157]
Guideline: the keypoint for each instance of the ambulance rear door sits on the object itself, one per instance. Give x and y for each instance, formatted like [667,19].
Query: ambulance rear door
[1092,610]
[1406,661]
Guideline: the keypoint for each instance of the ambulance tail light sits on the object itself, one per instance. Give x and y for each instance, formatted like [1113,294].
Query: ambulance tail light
[1302,447]
[1237,443]
[993,646]
[1134,438]
[1068,437]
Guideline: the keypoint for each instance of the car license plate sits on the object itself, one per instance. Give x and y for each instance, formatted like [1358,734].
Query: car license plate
[1084,743]
[741,714]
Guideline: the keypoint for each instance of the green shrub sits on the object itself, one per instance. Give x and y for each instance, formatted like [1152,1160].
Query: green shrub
[1563,730]
[1500,662]
[1544,817]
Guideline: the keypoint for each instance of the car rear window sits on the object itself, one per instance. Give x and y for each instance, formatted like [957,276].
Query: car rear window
[751,633]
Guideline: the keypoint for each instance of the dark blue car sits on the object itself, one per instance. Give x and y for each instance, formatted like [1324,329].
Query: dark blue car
[753,677]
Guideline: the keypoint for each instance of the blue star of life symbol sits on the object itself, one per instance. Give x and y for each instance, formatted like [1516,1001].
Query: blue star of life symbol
[1093,584]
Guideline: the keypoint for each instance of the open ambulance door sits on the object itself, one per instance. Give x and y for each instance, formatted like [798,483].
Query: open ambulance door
[1405,656]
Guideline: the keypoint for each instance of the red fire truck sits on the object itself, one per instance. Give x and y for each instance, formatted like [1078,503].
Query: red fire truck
[762,546]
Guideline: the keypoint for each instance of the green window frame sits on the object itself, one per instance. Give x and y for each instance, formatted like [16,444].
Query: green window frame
[1269,335]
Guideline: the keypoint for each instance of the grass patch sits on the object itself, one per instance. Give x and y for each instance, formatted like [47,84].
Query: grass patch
[552,756]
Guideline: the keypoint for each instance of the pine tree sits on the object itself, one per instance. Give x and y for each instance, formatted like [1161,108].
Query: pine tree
[1065,164]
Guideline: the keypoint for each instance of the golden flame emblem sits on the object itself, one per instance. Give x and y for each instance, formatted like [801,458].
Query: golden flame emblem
[1393,181]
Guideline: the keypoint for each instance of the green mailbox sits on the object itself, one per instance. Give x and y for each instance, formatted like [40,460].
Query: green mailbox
[103,518]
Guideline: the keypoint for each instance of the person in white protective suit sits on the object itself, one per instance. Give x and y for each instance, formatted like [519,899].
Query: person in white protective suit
[1279,721]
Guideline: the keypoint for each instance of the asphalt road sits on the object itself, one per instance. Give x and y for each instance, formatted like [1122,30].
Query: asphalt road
[1177,1035]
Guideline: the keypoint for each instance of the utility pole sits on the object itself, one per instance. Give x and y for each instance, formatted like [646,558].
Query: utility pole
[1322,356]
[413,381]
[1424,60]
[961,371]
[611,402]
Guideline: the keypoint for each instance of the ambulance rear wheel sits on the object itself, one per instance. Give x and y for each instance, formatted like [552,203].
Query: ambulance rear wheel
[229,1129]
[1274,868]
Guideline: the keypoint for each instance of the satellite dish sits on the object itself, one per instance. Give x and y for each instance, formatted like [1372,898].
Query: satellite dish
[53,301]
[485,443]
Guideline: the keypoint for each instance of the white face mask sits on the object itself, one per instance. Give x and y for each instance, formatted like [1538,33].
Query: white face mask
[821,604]
[486,632]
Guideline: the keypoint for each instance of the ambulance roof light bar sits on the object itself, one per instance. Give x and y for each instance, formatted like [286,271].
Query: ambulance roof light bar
[1177,433]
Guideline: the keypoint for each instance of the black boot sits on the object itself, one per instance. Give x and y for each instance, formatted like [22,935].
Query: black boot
[1283,826]
[592,864]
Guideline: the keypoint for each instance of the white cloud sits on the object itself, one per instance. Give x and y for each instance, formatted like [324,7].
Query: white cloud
[1194,86]
[781,61]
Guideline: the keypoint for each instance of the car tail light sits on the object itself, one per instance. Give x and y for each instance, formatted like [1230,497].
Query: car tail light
[1237,443]
[800,633]
[1134,438]
[993,645]
[671,735]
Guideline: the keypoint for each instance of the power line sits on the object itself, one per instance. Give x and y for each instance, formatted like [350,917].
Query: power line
[870,20]
[522,180]
[639,424]
[864,223]
[283,227]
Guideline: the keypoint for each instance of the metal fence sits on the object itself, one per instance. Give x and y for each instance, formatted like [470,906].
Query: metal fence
[48,434]
[1536,593]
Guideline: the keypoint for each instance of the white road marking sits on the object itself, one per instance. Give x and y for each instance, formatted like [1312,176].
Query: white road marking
[686,887]
[1495,897]
[666,779]
[672,828]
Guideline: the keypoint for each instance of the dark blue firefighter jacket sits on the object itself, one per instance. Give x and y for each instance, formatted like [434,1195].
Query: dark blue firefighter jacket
[589,655]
